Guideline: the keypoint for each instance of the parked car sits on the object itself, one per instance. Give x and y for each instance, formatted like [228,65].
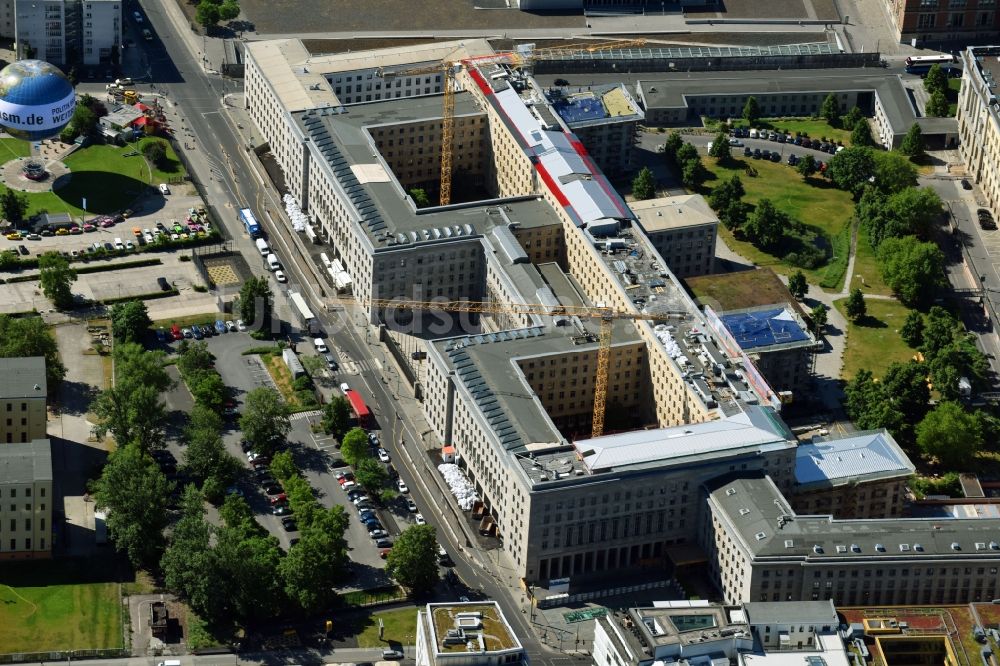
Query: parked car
[378,534]
[164,190]
[735,142]
[220,326]
[161,333]
[164,285]
[966,185]
[281,510]
[392,654]
[776,156]
[419,517]
[240,326]
[23,250]
[402,486]
[411,506]
[279,275]
[320,345]
[230,325]
[331,362]
[756,153]
[384,543]
[748,152]
[289,524]
[383,456]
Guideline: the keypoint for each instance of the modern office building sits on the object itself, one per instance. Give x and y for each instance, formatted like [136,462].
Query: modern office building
[67,32]
[26,500]
[23,399]
[930,21]
[698,633]
[466,634]
[761,549]
[862,475]
[683,229]
[979,120]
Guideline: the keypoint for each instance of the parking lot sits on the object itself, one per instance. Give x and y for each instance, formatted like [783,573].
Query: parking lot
[314,453]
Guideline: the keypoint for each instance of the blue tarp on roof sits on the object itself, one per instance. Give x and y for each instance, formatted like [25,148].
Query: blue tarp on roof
[764,328]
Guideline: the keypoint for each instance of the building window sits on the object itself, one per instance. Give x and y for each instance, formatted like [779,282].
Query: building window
[956,20]
[926,20]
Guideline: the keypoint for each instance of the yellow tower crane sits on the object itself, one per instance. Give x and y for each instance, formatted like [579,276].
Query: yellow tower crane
[606,315]
[447,71]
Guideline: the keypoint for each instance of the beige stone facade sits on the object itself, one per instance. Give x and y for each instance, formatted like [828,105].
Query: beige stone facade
[979,121]
[23,400]
[26,500]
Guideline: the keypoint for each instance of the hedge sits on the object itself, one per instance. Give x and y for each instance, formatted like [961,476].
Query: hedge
[97,268]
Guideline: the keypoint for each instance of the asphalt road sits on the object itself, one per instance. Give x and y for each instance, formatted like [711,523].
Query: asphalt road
[218,155]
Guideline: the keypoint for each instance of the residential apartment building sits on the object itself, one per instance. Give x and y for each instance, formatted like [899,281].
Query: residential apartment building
[761,549]
[863,475]
[926,21]
[68,32]
[26,500]
[466,634]
[978,118]
[23,399]
[683,229]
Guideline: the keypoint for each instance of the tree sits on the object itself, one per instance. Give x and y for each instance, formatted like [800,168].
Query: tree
[806,166]
[644,184]
[720,148]
[672,145]
[726,199]
[687,153]
[189,566]
[766,225]
[134,492]
[264,421]
[283,466]
[311,570]
[249,563]
[797,284]
[751,110]
[936,80]
[911,211]
[850,119]
[937,105]
[940,331]
[194,357]
[914,270]
[855,307]
[155,151]
[30,336]
[55,277]
[207,14]
[913,142]
[131,409]
[205,457]
[84,120]
[336,416]
[906,386]
[14,206]
[9,259]
[207,388]
[861,135]
[229,10]
[818,315]
[420,198]
[371,475]
[893,172]
[912,330]
[413,559]
[255,304]
[868,405]
[830,110]
[693,174]
[952,435]
[129,321]
[960,358]
[354,446]
[851,168]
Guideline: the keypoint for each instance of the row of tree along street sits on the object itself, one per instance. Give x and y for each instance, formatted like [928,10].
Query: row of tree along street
[231,571]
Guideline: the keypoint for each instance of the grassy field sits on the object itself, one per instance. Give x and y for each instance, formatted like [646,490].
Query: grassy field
[954,85]
[172,170]
[109,180]
[866,273]
[59,617]
[874,342]
[188,320]
[400,627]
[814,128]
[821,207]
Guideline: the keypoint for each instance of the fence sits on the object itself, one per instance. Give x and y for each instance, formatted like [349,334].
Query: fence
[64,655]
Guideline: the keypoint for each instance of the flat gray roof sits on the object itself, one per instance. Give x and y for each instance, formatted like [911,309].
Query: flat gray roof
[753,506]
[791,612]
[26,462]
[23,377]
[863,456]
[339,140]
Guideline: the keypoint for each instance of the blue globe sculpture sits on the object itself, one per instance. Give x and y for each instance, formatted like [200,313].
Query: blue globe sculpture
[36,100]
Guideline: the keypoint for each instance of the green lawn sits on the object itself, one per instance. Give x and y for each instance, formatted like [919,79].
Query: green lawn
[103,174]
[400,627]
[59,617]
[814,128]
[866,273]
[954,85]
[874,342]
[825,210]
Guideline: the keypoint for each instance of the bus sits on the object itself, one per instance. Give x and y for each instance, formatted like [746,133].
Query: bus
[299,303]
[922,64]
[360,409]
[249,222]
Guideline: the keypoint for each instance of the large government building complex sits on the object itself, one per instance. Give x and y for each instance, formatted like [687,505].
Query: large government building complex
[535,221]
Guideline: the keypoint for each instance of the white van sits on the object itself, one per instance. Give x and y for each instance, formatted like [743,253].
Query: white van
[170,662]
[753,134]
[325,259]
[272,262]
[119,244]
[262,247]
